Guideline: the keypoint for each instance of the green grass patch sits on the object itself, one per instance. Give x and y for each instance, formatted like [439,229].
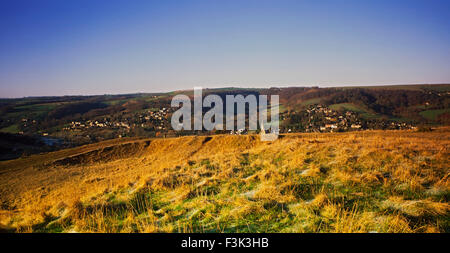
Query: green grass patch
[433,114]
[312,101]
[365,113]
[12,129]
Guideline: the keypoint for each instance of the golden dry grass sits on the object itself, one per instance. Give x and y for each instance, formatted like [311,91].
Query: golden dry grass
[370,181]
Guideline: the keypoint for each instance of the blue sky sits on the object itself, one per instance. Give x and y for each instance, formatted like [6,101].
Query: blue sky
[110,47]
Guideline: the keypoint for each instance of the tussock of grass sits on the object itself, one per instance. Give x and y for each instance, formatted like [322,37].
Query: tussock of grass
[417,208]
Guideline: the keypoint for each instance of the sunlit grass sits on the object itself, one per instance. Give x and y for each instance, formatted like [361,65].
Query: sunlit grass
[372,181]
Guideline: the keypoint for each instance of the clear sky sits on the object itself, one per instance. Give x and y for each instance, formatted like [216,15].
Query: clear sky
[85,47]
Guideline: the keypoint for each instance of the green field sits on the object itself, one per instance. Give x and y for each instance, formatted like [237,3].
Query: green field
[282,108]
[433,114]
[34,110]
[311,101]
[12,129]
[354,108]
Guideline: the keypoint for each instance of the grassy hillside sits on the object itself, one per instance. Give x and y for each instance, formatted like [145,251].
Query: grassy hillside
[354,108]
[433,114]
[383,181]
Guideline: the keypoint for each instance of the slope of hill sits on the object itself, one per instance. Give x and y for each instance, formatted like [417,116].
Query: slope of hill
[383,181]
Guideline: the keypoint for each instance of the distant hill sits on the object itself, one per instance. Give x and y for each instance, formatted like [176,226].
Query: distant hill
[78,120]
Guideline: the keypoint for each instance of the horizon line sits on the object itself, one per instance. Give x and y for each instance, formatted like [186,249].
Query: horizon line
[227,87]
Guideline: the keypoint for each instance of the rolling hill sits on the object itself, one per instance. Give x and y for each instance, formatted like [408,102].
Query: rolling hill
[368,181]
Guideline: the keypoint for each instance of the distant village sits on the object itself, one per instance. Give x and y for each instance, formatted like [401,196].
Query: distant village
[318,118]
[315,118]
[151,119]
